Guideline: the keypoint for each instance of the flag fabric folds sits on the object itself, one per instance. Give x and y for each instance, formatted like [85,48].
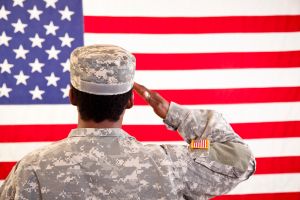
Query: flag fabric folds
[241,58]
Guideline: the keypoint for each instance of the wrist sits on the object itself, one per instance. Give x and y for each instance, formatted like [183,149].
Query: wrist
[175,115]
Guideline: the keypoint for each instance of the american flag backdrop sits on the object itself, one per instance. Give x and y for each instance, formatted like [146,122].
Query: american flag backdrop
[240,57]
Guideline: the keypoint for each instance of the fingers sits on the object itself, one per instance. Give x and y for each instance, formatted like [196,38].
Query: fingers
[157,102]
[142,91]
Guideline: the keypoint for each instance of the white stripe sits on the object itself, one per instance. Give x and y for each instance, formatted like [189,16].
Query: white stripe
[38,114]
[233,113]
[143,115]
[277,147]
[12,152]
[198,43]
[189,8]
[266,183]
[219,79]
[269,183]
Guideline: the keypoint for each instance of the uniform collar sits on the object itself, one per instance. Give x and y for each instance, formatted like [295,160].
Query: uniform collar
[99,132]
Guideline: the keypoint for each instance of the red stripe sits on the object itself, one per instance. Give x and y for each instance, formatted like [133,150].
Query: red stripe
[167,25]
[278,165]
[144,132]
[34,133]
[267,129]
[39,133]
[228,96]
[264,165]
[217,60]
[269,196]
[5,168]
[152,133]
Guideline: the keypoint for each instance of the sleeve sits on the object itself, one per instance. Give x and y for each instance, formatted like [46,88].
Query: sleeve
[213,171]
[21,183]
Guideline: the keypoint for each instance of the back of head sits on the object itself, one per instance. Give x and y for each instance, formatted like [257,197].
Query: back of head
[101,81]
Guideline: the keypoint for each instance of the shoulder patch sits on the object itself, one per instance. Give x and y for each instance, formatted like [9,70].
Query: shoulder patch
[200,144]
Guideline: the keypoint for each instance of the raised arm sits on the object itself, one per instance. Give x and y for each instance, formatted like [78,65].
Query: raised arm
[212,170]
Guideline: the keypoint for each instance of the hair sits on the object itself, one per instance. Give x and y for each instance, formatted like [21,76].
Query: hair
[100,107]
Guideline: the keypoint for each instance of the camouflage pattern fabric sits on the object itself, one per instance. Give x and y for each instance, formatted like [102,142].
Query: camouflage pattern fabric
[111,164]
[102,69]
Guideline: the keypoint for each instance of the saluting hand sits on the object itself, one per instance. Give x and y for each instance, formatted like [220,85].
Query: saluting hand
[157,102]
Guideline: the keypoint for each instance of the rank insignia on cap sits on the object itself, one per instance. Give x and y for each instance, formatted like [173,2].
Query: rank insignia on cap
[200,144]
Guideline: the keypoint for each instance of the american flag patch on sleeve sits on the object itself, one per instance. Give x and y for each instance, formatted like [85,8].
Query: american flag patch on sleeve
[199,144]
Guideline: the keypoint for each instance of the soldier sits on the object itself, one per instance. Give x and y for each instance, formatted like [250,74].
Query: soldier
[99,160]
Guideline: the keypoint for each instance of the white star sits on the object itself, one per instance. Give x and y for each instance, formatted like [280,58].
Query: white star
[52,79]
[21,78]
[66,65]
[4,13]
[52,53]
[51,28]
[19,26]
[36,66]
[66,14]
[65,91]
[18,3]
[50,3]
[35,13]
[37,93]
[4,91]
[66,40]
[21,52]
[5,67]
[4,39]
[36,41]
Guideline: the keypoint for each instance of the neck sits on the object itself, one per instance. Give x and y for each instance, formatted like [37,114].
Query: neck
[102,124]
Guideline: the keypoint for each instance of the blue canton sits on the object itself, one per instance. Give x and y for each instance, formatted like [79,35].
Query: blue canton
[36,39]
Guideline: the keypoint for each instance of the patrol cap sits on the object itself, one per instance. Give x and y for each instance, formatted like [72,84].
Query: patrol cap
[102,69]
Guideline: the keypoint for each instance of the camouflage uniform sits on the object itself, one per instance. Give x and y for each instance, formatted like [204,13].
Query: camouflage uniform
[110,164]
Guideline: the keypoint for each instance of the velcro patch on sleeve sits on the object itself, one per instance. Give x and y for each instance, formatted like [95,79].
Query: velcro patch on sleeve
[199,144]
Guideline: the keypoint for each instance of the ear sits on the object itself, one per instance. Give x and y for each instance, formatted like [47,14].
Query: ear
[72,98]
[130,102]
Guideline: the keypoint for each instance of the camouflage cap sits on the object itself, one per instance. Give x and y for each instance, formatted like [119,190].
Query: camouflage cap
[102,69]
